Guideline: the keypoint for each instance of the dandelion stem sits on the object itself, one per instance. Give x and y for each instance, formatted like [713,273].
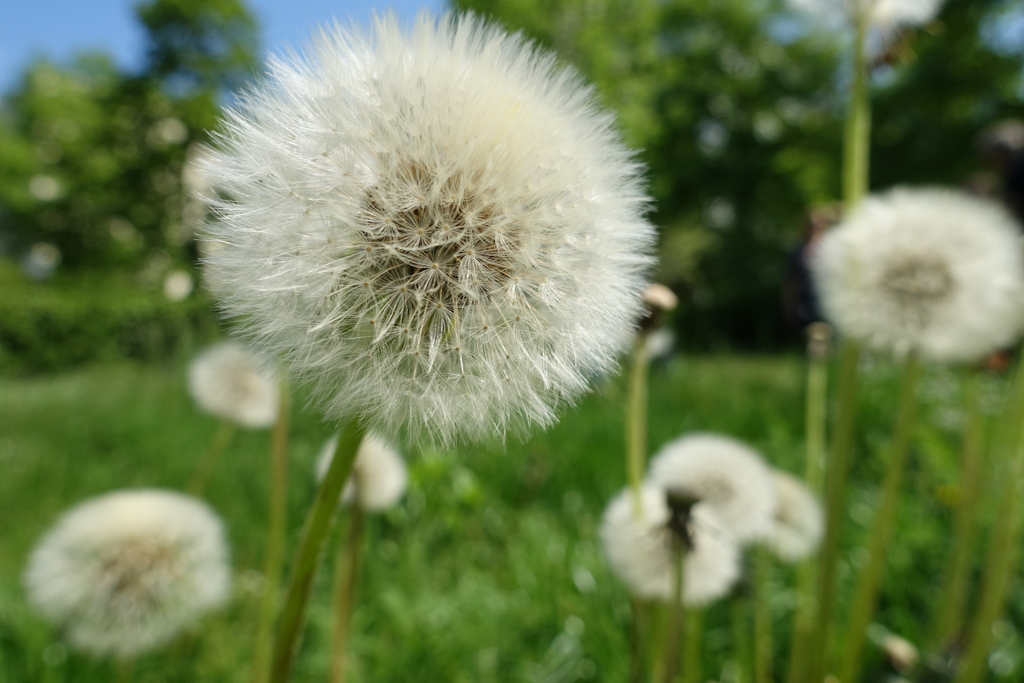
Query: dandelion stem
[762,618]
[836,476]
[869,582]
[346,578]
[639,628]
[1002,550]
[208,462]
[692,646]
[857,133]
[815,427]
[954,593]
[636,419]
[741,637]
[677,613]
[277,523]
[314,531]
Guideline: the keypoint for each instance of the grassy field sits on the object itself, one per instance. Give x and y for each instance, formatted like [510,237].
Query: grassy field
[490,570]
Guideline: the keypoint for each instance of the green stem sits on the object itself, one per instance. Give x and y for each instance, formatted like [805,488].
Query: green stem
[816,409]
[674,641]
[762,618]
[208,462]
[741,638]
[636,419]
[639,627]
[277,526]
[1002,552]
[692,645]
[857,132]
[954,592]
[870,580]
[314,531]
[346,578]
[837,475]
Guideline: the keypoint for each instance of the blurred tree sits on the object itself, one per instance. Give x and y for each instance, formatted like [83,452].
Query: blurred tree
[91,158]
[738,105]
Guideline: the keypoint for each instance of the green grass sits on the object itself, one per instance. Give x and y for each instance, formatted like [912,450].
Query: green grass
[490,570]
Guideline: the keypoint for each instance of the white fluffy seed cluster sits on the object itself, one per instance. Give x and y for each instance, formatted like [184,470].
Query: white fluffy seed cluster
[798,522]
[235,384]
[437,227]
[639,549]
[883,14]
[930,271]
[125,572]
[379,476]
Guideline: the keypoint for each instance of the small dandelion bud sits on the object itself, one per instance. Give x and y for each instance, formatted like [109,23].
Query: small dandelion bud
[933,272]
[379,476]
[660,297]
[234,384]
[125,572]
[726,475]
[798,522]
[438,228]
[819,340]
[640,548]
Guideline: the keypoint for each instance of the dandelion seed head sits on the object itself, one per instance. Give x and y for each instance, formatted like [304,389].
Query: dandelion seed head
[233,383]
[125,572]
[640,549]
[798,522]
[930,271]
[379,476]
[437,227]
[728,476]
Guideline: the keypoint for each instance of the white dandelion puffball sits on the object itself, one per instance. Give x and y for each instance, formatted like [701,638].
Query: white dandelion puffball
[798,522]
[640,549]
[436,227]
[930,271]
[726,474]
[884,14]
[125,572]
[379,476]
[231,382]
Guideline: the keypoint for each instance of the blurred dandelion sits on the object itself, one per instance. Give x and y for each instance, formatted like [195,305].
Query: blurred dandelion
[439,228]
[233,383]
[125,572]
[926,271]
[726,475]
[378,478]
[798,522]
[883,14]
[639,548]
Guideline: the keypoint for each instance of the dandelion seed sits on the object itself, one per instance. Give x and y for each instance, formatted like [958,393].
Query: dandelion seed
[798,522]
[232,383]
[929,271]
[509,169]
[125,572]
[379,475]
[727,475]
[639,548]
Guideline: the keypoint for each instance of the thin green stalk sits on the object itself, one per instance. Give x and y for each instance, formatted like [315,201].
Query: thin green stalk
[307,558]
[762,618]
[857,132]
[815,427]
[636,419]
[657,634]
[836,476]
[1002,551]
[208,462]
[277,523]
[953,596]
[677,612]
[692,645]
[346,578]
[869,582]
[741,639]
[638,628]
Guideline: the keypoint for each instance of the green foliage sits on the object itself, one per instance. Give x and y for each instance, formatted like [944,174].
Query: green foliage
[54,326]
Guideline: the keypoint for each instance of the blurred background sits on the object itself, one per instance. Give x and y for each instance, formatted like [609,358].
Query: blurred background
[735,106]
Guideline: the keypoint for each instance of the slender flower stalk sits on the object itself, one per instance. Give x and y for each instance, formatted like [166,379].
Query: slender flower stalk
[208,462]
[677,613]
[314,531]
[692,645]
[741,645]
[636,419]
[815,427]
[857,134]
[639,630]
[869,582]
[762,617]
[953,597]
[346,578]
[1003,546]
[277,527]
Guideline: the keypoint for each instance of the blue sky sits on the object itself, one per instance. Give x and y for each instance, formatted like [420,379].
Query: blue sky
[59,29]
